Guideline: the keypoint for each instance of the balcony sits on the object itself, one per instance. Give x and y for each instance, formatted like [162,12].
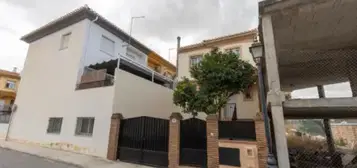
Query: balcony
[102,74]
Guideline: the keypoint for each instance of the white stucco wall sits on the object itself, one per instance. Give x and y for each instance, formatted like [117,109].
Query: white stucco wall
[135,97]
[246,109]
[3,130]
[94,54]
[47,89]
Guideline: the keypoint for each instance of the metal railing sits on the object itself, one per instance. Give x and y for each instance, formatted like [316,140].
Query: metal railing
[153,72]
[6,108]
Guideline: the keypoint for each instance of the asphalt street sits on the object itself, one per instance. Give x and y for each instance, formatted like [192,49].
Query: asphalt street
[14,159]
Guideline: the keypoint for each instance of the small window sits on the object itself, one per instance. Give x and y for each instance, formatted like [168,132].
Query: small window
[234,50]
[195,60]
[54,125]
[85,126]
[4,117]
[107,45]
[248,94]
[65,41]
[228,111]
[10,84]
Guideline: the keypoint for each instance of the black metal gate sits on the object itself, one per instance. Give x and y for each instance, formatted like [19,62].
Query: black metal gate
[193,143]
[144,140]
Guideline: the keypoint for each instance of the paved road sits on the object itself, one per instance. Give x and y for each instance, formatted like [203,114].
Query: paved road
[14,159]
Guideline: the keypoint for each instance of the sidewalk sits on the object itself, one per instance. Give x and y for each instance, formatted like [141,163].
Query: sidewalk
[68,157]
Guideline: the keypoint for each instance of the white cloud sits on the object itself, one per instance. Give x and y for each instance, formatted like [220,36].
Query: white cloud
[13,24]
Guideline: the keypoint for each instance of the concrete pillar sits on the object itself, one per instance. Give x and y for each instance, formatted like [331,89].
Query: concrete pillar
[174,140]
[352,76]
[262,144]
[275,96]
[212,141]
[114,136]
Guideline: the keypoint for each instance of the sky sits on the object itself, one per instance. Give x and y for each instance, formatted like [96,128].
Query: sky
[193,20]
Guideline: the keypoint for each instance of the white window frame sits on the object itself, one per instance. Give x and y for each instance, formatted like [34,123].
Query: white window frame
[238,48]
[195,60]
[65,44]
[89,127]
[11,84]
[51,125]
[228,115]
[102,49]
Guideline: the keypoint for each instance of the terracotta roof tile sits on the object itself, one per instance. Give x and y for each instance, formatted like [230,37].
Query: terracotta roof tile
[222,38]
[9,73]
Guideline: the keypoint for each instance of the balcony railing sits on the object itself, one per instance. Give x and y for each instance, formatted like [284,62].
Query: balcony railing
[6,108]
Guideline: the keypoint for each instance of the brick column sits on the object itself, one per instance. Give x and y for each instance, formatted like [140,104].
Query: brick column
[212,141]
[174,140]
[114,136]
[262,145]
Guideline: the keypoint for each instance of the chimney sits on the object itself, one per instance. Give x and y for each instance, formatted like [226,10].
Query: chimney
[14,69]
[177,54]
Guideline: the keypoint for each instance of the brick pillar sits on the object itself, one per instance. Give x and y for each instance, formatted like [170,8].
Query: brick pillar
[174,140]
[212,141]
[262,145]
[114,136]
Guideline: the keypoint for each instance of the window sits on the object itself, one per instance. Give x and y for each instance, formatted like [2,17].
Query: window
[234,50]
[248,94]
[195,60]
[10,84]
[65,41]
[4,117]
[85,126]
[107,45]
[54,125]
[228,111]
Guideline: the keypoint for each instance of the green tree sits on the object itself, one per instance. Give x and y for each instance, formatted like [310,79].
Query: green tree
[216,78]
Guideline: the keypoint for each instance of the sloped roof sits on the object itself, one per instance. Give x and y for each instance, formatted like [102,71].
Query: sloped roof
[252,32]
[9,73]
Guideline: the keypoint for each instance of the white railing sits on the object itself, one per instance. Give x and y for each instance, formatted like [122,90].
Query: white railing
[144,67]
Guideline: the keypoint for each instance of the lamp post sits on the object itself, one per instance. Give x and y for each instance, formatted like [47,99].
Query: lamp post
[131,25]
[257,52]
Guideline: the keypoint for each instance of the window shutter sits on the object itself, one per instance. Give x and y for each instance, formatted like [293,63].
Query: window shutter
[91,125]
[79,125]
[107,45]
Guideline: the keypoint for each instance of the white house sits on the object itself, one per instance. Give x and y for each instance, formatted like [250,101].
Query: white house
[71,85]
[247,103]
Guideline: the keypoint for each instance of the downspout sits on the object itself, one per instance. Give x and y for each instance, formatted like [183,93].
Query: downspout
[86,46]
[177,55]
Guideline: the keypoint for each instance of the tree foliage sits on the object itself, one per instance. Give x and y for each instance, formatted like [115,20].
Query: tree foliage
[215,79]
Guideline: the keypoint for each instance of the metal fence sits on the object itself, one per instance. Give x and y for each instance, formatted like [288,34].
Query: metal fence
[311,146]
[237,130]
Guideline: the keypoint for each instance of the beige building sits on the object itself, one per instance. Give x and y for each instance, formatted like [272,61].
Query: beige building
[247,103]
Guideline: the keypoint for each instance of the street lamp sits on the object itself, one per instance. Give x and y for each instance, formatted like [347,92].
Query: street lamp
[131,26]
[257,52]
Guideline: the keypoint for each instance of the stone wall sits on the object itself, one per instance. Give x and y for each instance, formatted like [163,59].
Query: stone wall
[347,133]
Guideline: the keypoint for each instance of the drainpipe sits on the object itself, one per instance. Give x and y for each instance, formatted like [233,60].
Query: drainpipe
[86,44]
[177,54]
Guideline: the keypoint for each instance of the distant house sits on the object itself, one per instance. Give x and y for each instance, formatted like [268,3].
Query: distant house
[80,70]
[247,103]
[9,81]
